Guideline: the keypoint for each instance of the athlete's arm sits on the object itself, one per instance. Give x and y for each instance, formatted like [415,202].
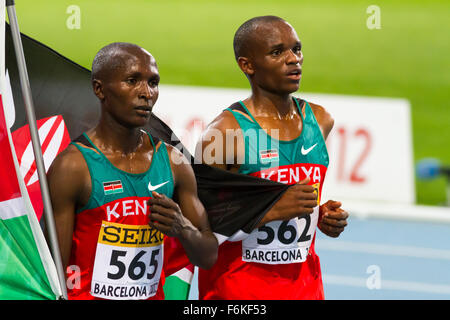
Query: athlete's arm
[298,200]
[332,219]
[66,180]
[185,217]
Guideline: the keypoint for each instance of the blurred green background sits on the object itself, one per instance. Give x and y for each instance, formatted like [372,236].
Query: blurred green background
[192,43]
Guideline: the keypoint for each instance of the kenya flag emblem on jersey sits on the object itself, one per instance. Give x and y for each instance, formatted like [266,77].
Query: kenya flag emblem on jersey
[268,155]
[112,187]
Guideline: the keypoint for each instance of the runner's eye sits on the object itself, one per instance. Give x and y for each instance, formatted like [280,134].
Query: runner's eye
[276,52]
[153,83]
[131,81]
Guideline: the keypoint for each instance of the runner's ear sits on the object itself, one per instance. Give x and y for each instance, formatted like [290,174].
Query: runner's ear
[97,85]
[246,66]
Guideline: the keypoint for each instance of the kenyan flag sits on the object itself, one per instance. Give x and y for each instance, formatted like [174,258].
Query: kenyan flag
[112,187]
[27,271]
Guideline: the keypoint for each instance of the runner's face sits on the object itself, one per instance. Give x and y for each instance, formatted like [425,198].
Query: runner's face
[277,58]
[132,90]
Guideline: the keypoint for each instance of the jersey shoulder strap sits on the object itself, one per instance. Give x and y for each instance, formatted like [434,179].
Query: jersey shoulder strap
[301,102]
[82,140]
[237,106]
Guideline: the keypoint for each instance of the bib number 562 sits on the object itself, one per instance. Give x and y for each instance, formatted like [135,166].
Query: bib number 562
[136,269]
[286,233]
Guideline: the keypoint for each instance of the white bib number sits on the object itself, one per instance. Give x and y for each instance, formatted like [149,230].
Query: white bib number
[128,262]
[281,242]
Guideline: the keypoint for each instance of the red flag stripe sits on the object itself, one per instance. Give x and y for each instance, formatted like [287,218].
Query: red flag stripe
[9,184]
[44,146]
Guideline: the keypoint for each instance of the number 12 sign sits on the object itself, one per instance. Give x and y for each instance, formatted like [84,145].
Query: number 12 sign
[370,148]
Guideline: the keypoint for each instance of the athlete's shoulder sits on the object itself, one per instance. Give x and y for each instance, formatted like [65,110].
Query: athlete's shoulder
[320,112]
[183,174]
[71,157]
[70,163]
[68,177]
[175,155]
[225,120]
[323,117]
[220,136]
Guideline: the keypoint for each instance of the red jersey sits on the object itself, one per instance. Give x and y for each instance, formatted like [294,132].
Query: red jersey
[115,254]
[276,261]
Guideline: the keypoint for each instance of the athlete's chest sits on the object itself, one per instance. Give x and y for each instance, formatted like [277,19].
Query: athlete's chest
[134,163]
[281,129]
[137,164]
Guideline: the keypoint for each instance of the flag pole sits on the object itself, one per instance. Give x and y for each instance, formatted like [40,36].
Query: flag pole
[29,108]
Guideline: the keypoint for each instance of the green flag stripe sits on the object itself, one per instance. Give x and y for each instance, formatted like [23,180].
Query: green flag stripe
[176,289]
[177,285]
[22,275]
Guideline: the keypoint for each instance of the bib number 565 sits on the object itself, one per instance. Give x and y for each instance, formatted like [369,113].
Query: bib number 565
[136,269]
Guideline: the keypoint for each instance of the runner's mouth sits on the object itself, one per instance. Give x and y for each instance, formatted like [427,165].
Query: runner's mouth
[143,110]
[295,74]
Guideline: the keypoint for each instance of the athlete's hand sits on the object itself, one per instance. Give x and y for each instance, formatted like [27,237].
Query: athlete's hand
[298,200]
[332,219]
[166,216]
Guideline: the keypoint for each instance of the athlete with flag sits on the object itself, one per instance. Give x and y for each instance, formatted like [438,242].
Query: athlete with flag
[234,202]
[105,183]
[275,136]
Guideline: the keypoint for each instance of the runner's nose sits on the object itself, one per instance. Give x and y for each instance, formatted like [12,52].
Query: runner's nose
[145,91]
[293,58]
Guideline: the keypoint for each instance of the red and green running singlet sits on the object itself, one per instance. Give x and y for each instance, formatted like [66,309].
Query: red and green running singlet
[276,261]
[117,253]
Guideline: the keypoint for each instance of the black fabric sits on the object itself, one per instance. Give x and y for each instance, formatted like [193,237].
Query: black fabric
[59,86]
[82,139]
[238,107]
[235,201]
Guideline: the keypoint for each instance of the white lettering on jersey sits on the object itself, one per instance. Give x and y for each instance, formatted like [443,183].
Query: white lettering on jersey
[292,175]
[125,208]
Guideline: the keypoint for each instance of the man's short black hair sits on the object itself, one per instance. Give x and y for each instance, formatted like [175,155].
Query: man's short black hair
[245,32]
[105,59]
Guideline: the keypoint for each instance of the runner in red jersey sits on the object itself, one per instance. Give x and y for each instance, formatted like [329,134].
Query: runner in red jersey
[275,136]
[111,190]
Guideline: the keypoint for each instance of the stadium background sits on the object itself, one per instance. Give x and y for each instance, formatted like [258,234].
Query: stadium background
[192,42]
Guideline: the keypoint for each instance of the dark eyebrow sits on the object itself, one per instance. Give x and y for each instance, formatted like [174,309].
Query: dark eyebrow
[276,46]
[138,75]
[133,75]
[281,46]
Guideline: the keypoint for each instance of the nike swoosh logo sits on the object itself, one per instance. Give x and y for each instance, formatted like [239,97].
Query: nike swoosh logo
[306,151]
[153,188]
